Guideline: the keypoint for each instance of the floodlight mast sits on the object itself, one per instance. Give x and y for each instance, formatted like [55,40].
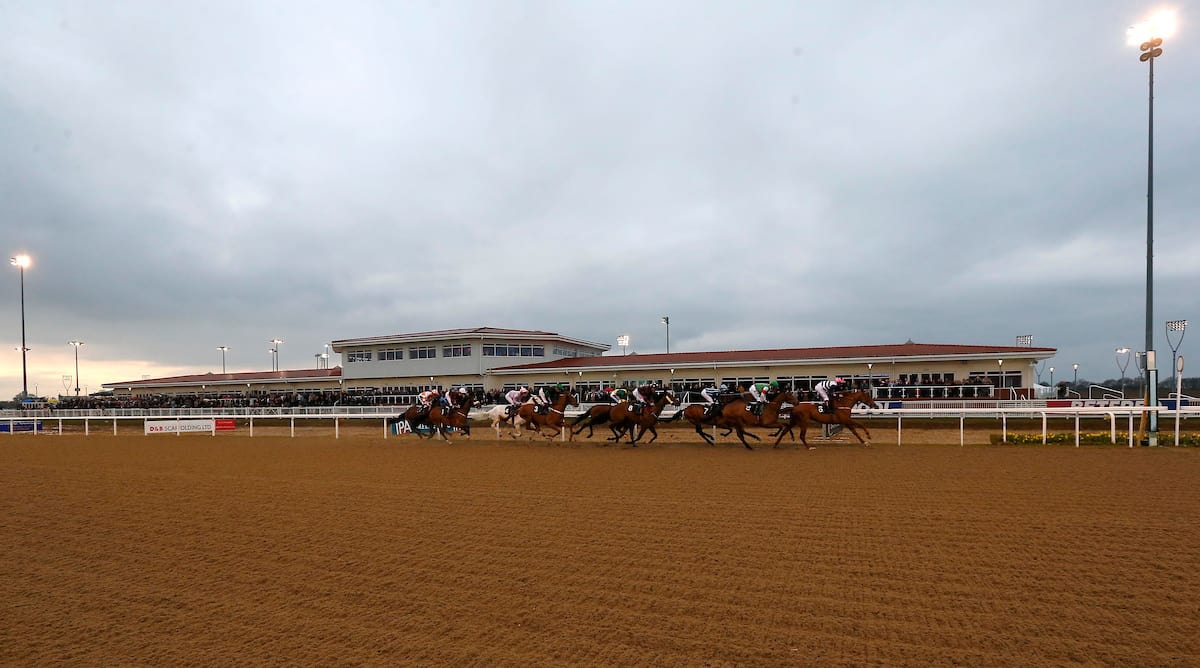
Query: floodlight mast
[1148,37]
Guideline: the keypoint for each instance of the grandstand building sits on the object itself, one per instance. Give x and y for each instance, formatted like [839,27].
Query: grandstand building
[487,359]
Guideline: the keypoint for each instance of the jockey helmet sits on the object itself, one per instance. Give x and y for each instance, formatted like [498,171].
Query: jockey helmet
[775,385]
[724,387]
[839,380]
[559,386]
[524,389]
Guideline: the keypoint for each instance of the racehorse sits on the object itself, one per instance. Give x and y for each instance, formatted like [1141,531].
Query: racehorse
[844,404]
[734,415]
[499,414]
[623,419]
[598,414]
[554,417]
[437,418]
[458,417]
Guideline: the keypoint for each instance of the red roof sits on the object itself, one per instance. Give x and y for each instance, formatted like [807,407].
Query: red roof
[247,377]
[877,352]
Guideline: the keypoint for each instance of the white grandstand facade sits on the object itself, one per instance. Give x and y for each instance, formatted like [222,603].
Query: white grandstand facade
[488,360]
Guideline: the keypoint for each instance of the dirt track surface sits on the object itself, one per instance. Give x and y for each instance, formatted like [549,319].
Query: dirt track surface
[313,551]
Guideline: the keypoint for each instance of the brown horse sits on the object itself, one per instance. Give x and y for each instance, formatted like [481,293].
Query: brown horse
[457,417]
[438,418]
[844,404]
[734,416]
[624,419]
[554,417]
[595,415]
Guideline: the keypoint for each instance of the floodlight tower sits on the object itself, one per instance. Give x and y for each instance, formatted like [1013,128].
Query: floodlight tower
[1148,37]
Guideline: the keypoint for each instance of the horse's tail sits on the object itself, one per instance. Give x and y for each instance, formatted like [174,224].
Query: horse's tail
[581,418]
[677,416]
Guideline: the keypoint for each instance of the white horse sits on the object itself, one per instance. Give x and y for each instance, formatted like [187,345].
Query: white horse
[499,415]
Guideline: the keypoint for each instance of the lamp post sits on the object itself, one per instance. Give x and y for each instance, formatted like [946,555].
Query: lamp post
[76,345]
[1000,365]
[21,262]
[223,350]
[1175,326]
[1148,36]
[275,353]
[1122,364]
[666,320]
[1075,378]
[1051,376]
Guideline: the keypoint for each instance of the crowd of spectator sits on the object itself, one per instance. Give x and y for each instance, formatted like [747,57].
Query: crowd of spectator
[906,387]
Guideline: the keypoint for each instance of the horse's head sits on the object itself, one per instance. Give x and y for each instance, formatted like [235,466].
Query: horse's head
[785,397]
[572,400]
[862,397]
[667,397]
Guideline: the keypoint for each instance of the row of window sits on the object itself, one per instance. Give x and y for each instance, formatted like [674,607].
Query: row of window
[461,350]
[513,350]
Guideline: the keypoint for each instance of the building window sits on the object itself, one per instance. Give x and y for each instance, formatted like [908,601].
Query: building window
[422,353]
[456,351]
[513,350]
[358,356]
[389,355]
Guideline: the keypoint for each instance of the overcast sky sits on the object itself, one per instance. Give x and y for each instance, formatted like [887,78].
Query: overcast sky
[767,174]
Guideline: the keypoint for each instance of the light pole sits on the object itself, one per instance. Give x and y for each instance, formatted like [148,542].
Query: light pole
[1148,36]
[1051,376]
[275,353]
[666,320]
[223,350]
[1122,364]
[1075,378]
[21,262]
[1175,326]
[76,344]
[1000,365]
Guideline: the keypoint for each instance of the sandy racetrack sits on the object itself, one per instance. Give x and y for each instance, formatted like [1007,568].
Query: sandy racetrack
[166,550]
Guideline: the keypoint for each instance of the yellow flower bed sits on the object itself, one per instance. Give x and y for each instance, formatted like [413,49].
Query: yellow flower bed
[1097,437]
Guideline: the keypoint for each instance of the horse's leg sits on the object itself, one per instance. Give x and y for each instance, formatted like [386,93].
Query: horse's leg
[652,431]
[851,424]
[783,430]
[741,432]
[700,430]
[803,432]
[617,429]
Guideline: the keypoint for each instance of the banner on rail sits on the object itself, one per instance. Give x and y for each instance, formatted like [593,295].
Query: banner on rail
[187,426]
[1091,403]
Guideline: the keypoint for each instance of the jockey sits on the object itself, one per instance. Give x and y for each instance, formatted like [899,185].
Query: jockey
[428,397]
[515,398]
[618,395]
[826,388]
[544,399]
[762,393]
[710,395]
[454,396]
[644,394]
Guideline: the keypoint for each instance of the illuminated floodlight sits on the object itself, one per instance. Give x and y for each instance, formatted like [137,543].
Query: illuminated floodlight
[1161,24]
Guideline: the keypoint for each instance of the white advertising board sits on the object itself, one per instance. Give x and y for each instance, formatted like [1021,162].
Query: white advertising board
[179,426]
